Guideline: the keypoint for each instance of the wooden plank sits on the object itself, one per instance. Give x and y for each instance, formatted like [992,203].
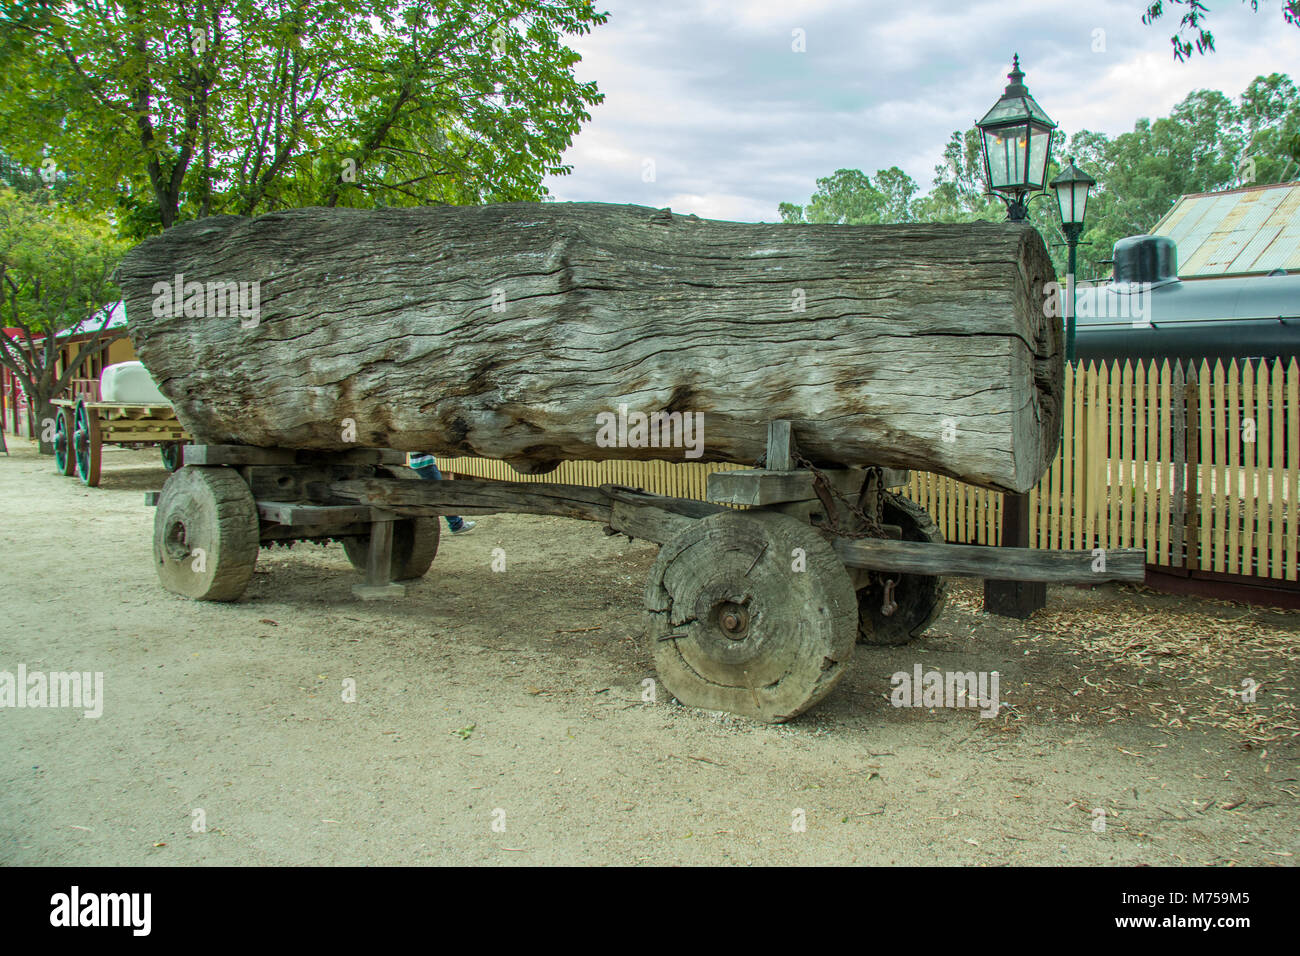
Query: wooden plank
[1115,504]
[1172,463]
[1005,563]
[1249,451]
[379,563]
[416,498]
[1094,461]
[1060,503]
[1155,528]
[1221,429]
[321,517]
[1078,429]
[119,437]
[759,486]
[780,446]
[165,410]
[647,523]
[1205,487]
[1134,433]
[1277,477]
[237,455]
[1232,414]
[1292,470]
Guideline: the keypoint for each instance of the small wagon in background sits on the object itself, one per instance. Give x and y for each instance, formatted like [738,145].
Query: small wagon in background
[131,412]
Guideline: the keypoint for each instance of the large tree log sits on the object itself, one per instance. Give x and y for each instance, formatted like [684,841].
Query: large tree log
[503,331]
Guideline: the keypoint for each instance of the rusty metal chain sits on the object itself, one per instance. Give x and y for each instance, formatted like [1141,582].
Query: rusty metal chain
[872,526]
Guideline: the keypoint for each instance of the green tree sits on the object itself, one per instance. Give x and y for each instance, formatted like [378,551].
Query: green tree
[959,193]
[54,272]
[1193,23]
[1207,143]
[852,197]
[169,110]
[1270,120]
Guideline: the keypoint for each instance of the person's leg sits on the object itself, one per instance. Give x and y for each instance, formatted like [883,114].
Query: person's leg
[430,472]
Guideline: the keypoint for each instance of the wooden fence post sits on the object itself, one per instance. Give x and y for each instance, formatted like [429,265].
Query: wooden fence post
[1191,458]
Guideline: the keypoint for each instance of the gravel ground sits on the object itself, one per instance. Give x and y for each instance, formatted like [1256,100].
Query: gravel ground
[498,717]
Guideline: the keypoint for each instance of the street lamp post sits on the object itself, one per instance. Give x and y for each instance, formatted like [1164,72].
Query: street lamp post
[1016,140]
[1072,187]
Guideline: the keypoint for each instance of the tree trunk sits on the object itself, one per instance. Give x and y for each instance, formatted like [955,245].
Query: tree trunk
[504,331]
[45,416]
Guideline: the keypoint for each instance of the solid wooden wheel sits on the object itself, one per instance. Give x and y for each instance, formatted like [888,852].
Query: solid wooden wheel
[415,540]
[87,443]
[65,459]
[750,612]
[919,598]
[205,534]
[172,458]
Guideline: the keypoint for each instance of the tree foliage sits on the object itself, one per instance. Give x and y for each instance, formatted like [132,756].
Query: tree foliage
[852,197]
[1193,21]
[1208,142]
[55,271]
[168,110]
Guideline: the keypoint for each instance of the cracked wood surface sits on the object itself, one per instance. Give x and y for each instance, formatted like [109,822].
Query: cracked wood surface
[909,335]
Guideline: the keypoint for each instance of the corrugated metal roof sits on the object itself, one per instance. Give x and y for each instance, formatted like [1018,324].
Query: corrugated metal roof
[1237,232]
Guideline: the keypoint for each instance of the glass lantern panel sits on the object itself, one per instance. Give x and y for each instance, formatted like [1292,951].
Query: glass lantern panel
[1080,201]
[1005,149]
[1039,146]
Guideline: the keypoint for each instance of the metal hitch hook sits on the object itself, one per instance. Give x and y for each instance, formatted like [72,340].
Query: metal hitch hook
[889,605]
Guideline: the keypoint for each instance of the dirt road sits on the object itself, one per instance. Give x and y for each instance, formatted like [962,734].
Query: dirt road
[499,717]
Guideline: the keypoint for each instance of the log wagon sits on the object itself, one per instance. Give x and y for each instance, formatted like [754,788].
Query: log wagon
[830,359]
[132,413]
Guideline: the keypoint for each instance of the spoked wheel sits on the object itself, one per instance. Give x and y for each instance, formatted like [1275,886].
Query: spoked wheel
[87,443]
[65,461]
[415,540]
[919,598]
[172,458]
[205,534]
[741,621]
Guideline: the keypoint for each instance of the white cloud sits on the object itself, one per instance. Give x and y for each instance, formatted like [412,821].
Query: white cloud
[737,122]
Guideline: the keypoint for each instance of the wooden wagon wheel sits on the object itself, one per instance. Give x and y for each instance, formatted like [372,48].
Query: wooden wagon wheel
[919,598]
[87,443]
[172,458]
[65,459]
[415,540]
[205,534]
[740,620]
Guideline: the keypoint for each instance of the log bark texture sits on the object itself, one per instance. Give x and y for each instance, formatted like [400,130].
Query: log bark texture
[503,331]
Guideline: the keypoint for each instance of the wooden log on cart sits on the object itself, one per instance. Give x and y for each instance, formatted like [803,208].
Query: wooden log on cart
[503,331]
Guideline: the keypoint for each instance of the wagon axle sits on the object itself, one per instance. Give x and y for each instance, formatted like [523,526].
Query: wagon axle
[734,622]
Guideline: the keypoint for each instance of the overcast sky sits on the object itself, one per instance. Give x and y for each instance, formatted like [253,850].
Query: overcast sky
[734,120]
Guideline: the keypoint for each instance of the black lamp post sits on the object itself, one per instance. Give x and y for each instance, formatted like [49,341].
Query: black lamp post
[1016,136]
[1072,187]
[1016,139]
